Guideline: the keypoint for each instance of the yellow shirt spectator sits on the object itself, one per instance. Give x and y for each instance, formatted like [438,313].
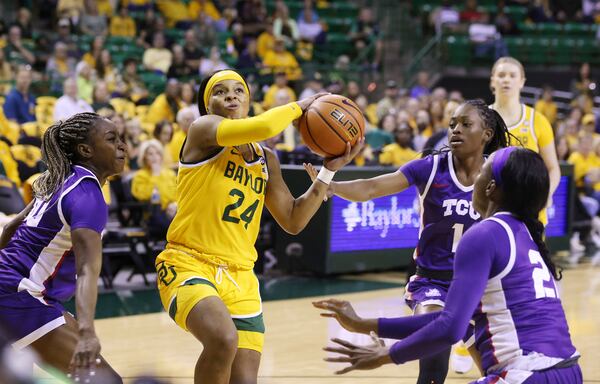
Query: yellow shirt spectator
[265,44]
[173,10]
[548,109]
[9,165]
[104,8]
[144,182]
[122,26]
[394,154]
[207,7]
[158,59]
[269,100]
[283,61]
[161,110]
[175,145]
[583,165]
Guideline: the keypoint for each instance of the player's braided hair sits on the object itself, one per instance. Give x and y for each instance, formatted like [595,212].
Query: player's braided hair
[525,187]
[59,151]
[492,120]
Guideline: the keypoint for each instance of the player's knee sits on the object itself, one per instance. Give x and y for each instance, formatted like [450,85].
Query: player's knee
[223,343]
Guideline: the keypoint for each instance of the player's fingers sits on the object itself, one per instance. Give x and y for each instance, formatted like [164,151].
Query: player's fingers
[328,315]
[344,343]
[346,370]
[358,146]
[340,359]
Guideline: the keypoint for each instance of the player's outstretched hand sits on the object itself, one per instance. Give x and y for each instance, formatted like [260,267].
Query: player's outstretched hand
[343,312]
[336,163]
[360,357]
[312,172]
[307,101]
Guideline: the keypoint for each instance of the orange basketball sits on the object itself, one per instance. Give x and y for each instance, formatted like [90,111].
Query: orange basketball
[329,123]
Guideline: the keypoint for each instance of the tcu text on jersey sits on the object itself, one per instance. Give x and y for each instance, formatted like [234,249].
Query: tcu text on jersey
[461,207]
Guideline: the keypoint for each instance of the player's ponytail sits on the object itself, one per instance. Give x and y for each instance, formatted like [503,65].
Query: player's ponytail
[525,188]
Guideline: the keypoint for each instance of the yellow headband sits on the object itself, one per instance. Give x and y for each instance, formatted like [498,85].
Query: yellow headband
[217,78]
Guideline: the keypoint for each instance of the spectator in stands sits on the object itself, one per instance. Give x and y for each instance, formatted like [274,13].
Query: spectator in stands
[562,148]
[205,34]
[584,83]
[400,152]
[308,8]
[352,90]
[105,70]
[70,103]
[147,26]
[588,128]
[283,25]
[134,136]
[422,86]
[64,35]
[444,16]
[439,140]
[310,28]
[191,49]
[211,63]
[92,23]
[280,60]
[546,106]
[249,61]
[59,67]
[586,164]
[19,105]
[6,74]
[471,13]
[93,55]
[424,129]
[163,132]
[206,8]
[436,111]
[70,9]
[85,81]
[388,102]
[570,131]
[155,183]
[384,133]
[122,24]
[137,5]
[313,85]
[506,26]
[101,97]
[158,58]
[185,118]
[365,33]
[24,22]
[539,11]
[187,94]
[237,42]
[179,67]
[265,42]
[135,89]
[15,51]
[166,105]
[176,13]
[486,38]
[253,16]
[9,168]
[280,84]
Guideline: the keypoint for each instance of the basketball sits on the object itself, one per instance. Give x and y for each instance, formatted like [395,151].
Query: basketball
[329,123]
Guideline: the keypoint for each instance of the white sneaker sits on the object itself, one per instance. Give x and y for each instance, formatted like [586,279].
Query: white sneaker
[575,243]
[460,359]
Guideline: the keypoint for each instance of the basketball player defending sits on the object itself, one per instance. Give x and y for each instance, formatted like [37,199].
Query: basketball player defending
[504,280]
[205,276]
[445,183]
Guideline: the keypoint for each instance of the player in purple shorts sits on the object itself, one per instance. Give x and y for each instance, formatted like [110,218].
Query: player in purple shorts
[53,249]
[503,279]
[445,184]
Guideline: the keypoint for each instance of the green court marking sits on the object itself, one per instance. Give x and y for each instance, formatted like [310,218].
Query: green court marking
[135,302]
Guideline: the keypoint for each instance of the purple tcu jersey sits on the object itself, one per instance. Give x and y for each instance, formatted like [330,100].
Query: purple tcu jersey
[39,258]
[520,323]
[446,209]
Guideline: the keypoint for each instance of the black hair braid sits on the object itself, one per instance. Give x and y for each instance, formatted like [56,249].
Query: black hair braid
[492,120]
[59,151]
[525,188]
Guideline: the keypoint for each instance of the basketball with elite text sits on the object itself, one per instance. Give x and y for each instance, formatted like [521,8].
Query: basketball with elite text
[329,123]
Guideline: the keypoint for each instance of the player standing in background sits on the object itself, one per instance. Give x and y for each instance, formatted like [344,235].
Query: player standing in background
[53,249]
[504,280]
[445,183]
[530,127]
[205,275]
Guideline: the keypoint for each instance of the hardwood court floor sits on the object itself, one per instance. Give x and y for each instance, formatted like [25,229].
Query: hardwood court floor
[152,344]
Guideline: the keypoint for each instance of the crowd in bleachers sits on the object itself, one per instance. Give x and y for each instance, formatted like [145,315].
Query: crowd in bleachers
[139,62]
